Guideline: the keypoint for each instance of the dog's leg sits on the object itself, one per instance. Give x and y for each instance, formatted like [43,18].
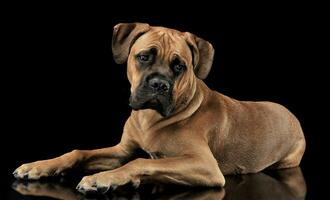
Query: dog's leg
[294,156]
[95,160]
[185,170]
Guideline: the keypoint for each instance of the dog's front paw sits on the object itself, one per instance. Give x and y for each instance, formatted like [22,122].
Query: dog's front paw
[36,170]
[102,182]
[91,184]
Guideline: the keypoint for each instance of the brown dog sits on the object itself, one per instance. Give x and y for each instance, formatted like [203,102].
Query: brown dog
[193,135]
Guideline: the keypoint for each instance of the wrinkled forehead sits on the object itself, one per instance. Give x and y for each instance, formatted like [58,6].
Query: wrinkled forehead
[167,42]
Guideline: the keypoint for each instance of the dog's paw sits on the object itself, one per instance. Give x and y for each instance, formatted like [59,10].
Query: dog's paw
[92,184]
[36,170]
[102,182]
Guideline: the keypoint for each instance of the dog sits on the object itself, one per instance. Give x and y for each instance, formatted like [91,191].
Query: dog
[193,135]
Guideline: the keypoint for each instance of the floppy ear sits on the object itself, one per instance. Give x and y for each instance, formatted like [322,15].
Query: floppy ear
[123,37]
[202,54]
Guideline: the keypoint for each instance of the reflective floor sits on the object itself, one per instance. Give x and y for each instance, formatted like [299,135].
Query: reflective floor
[285,184]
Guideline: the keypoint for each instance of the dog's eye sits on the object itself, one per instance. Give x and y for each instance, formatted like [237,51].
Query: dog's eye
[178,68]
[143,57]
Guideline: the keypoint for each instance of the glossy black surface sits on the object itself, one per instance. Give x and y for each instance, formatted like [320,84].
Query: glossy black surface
[284,184]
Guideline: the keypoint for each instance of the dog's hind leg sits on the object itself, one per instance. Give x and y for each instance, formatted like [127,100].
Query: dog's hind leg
[293,158]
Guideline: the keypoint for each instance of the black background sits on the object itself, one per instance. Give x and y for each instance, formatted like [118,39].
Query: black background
[62,90]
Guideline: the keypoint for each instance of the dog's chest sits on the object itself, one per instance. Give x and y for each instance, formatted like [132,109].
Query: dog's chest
[159,144]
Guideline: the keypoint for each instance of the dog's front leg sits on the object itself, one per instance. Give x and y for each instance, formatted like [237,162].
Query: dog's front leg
[95,160]
[184,170]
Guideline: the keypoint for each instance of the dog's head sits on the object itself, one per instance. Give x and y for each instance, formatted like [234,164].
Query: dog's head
[162,64]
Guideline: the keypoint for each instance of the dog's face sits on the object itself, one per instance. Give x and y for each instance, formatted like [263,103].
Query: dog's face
[157,64]
[162,64]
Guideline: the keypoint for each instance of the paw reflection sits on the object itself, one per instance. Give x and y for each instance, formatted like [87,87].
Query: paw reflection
[38,188]
[282,184]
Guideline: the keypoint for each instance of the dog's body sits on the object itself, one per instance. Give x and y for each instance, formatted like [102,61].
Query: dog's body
[193,135]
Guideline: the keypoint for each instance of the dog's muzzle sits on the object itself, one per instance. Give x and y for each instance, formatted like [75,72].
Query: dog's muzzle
[155,93]
[159,85]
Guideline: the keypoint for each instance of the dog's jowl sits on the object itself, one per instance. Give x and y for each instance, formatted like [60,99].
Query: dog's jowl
[193,135]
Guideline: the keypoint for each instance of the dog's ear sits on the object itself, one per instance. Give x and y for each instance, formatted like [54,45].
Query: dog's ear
[202,54]
[123,37]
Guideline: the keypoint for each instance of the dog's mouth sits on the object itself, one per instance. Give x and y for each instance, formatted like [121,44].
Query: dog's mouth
[159,102]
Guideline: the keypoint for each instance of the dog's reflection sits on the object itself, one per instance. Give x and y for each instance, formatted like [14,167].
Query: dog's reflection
[46,189]
[286,184]
[283,184]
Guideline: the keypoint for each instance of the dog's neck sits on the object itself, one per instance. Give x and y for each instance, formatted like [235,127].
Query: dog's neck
[151,120]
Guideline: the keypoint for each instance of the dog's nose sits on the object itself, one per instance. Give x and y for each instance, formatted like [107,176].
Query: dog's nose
[159,85]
